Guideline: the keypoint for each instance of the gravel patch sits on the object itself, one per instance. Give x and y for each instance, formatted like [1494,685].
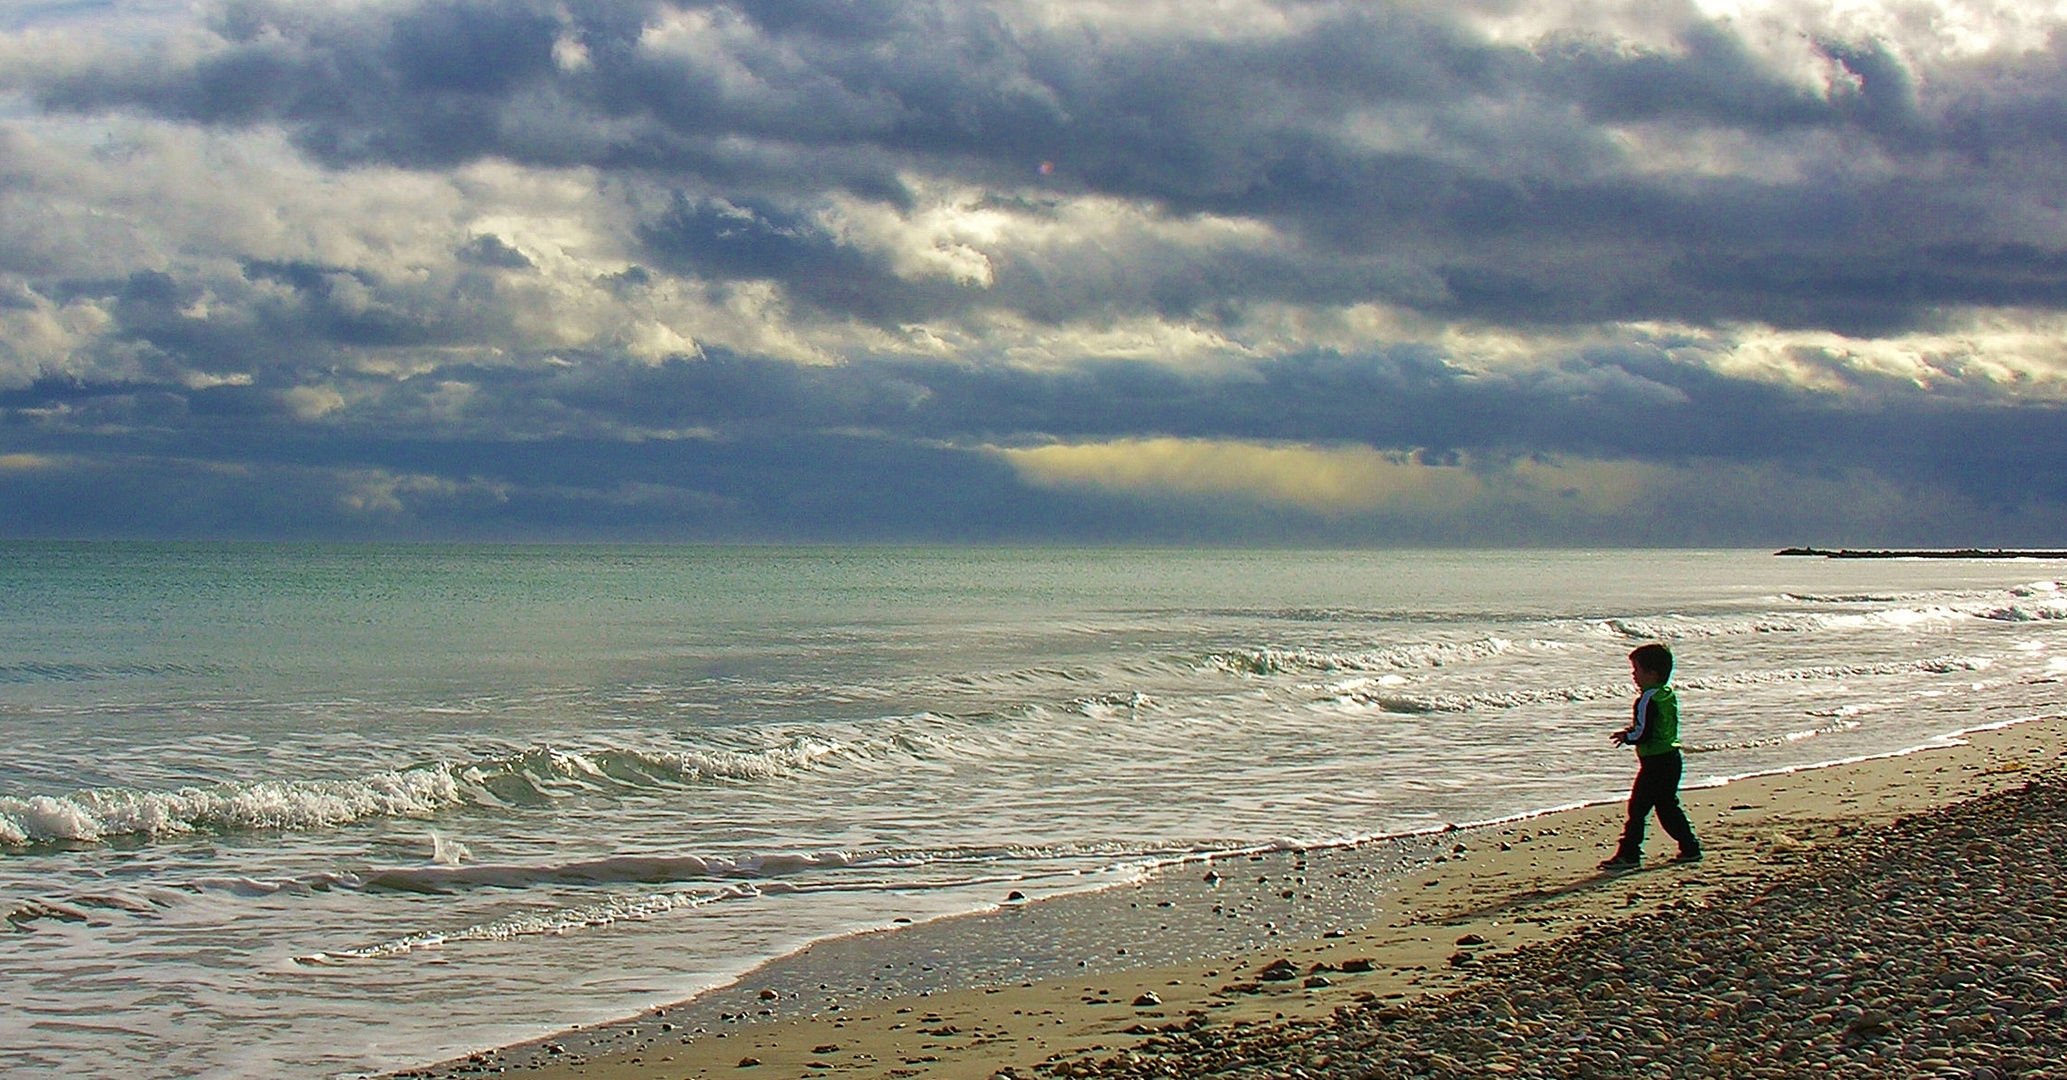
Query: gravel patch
[1933,946]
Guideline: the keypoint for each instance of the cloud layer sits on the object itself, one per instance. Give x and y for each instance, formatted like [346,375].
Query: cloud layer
[1249,271]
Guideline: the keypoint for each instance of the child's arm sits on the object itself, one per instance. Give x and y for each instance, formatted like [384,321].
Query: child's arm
[1628,736]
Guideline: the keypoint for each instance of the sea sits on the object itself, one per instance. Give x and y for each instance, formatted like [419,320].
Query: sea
[312,810]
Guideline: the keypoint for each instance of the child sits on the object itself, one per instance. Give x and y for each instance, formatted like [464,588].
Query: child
[1654,731]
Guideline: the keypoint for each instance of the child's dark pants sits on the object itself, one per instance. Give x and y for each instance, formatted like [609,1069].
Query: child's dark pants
[1657,788]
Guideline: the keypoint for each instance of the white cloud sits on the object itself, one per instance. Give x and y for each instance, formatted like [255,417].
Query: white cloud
[313,402]
[382,493]
[39,338]
[2004,353]
[1207,20]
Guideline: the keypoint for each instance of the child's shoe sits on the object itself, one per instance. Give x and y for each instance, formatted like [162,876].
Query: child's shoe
[1620,864]
[1688,855]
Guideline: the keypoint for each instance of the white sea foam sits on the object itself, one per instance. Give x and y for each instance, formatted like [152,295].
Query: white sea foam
[1274,661]
[988,866]
[536,774]
[1935,665]
[108,812]
[448,852]
[2027,612]
[1457,703]
[1831,728]
[1397,702]
[616,869]
[660,869]
[2035,601]
[1674,628]
[1098,705]
[556,921]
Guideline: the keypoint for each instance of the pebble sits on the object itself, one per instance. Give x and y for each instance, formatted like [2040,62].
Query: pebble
[1930,946]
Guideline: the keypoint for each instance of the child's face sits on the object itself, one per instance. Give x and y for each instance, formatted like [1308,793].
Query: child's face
[1645,680]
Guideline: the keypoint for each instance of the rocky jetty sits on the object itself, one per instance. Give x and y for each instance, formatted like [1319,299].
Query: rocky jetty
[1933,946]
[1925,553]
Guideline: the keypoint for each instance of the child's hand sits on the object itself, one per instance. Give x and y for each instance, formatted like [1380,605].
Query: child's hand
[1619,738]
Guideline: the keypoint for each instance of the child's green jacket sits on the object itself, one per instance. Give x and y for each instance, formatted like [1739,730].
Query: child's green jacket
[1655,726]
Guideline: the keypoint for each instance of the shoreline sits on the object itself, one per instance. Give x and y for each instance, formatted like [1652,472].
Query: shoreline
[1515,882]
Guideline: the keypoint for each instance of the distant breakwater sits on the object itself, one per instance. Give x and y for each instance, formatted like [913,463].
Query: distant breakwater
[1923,553]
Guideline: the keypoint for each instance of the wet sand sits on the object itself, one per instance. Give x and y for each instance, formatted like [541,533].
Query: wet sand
[1481,909]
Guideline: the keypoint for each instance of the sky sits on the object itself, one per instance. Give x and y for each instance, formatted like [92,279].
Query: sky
[1469,272]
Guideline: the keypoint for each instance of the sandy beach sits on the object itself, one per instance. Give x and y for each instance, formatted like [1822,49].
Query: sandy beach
[1471,941]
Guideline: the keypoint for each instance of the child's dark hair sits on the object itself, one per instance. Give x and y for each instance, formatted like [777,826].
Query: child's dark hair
[1654,658]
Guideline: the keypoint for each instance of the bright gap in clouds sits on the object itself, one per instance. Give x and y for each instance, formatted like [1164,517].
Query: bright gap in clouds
[1321,479]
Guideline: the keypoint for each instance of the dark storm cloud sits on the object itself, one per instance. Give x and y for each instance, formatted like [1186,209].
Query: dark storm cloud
[422,85]
[1715,79]
[279,331]
[1512,202]
[720,241]
[789,451]
[493,251]
[467,367]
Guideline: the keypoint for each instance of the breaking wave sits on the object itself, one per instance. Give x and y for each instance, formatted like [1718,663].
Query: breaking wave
[2039,600]
[556,921]
[751,876]
[1456,703]
[1679,629]
[1934,665]
[1397,702]
[2027,612]
[533,776]
[610,870]
[1402,658]
[1832,728]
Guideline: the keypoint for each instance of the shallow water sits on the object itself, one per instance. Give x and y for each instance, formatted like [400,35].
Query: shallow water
[282,808]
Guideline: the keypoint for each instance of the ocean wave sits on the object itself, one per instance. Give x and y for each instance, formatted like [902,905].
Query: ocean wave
[1851,598]
[609,870]
[1832,728]
[992,865]
[1099,705]
[1409,703]
[1022,677]
[1934,665]
[102,813]
[42,672]
[555,921]
[533,776]
[994,862]
[89,908]
[1946,598]
[1456,703]
[2035,601]
[2027,612]
[1680,629]
[1271,661]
